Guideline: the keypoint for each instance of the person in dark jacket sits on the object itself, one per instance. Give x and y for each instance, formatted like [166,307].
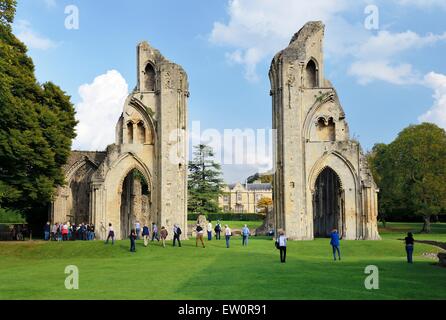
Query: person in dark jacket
[176,235]
[409,241]
[217,230]
[145,235]
[47,230]
[334,241]
[132,240]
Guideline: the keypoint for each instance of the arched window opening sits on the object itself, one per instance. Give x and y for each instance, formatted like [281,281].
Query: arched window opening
[149,78]
[311,75]
[328,204]
[130,132]
[326,130]
[141,132]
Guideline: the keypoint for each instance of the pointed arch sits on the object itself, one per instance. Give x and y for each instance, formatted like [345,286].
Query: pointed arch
[149,77]
[150,127]
[312,73]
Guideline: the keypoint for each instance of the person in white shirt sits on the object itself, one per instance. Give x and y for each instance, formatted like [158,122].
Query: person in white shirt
[210,230]
[137,229]
[228,234]
[281,245]
[111,234]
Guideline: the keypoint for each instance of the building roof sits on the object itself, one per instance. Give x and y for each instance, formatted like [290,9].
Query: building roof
[252,186]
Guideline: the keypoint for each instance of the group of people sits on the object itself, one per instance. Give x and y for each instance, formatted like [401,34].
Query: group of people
[281,243]
[155,234]
[67,231]
[218,229]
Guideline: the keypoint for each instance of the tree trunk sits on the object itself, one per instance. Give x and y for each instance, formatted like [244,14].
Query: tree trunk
[426,225]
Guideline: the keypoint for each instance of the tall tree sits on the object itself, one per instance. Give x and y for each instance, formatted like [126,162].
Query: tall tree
[204,182]
[36,126]
[411,172]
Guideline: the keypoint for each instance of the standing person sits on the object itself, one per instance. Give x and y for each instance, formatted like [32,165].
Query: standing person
[334,241]
[54,232]
[132,240]
[228,234]
[138,229]
[59,232]
[92,234]
[163,234]
[46,231]
[409,241]
[209,230]
[70,228]
[245,235]
[65,232]
[176,235]
[200,232]
[145,235]
[155,232]
[217,230]
[111,234]
[281,245]
[88,232]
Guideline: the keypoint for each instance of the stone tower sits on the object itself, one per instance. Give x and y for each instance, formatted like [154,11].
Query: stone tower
[322,180]
[143,175]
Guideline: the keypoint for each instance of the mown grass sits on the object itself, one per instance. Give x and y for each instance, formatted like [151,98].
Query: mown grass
[35,270]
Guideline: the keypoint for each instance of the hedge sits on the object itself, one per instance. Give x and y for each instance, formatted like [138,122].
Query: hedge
[229,216]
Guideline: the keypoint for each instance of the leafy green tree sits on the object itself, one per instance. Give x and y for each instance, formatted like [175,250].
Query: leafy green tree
[204,182]
[7,11]
[411,172]
[36,126]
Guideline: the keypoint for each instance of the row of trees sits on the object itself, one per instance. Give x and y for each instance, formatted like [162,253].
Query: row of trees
[37,124]
[411,173]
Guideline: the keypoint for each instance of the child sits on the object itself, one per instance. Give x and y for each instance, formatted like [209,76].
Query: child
[132,240]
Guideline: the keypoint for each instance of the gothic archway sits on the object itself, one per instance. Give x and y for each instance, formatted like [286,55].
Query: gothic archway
[134,201]
[328,204]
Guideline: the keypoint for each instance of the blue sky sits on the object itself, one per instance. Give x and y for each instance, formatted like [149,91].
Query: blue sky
[387,78]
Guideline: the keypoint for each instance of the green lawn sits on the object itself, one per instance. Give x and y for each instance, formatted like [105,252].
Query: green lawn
[35,270]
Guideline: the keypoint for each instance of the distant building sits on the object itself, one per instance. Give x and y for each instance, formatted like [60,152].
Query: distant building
[243,198]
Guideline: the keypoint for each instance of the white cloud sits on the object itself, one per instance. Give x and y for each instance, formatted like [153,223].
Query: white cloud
[369,71]
[375,58]
[386,44]
[259,28]
[32,39]
[437,113]
[100,107]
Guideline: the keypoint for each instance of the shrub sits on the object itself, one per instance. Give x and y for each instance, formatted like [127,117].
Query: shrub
[11,216]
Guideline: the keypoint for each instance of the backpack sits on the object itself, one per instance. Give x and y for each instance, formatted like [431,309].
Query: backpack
[277,243]
[178,231]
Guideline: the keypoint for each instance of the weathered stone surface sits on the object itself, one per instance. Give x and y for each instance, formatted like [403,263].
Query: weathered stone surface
[150,139]
[322,180]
